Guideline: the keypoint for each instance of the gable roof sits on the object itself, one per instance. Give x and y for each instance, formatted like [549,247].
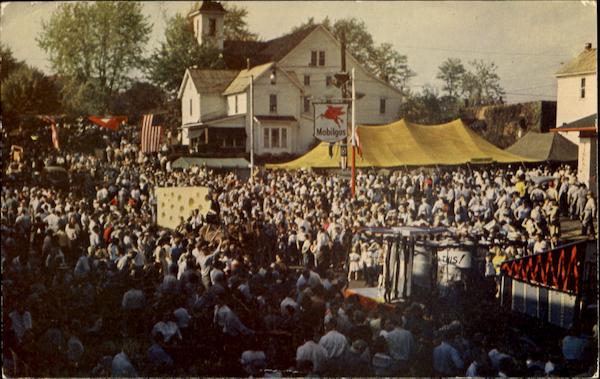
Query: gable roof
[236,52]
[584,63]
[207,81]
[242,80]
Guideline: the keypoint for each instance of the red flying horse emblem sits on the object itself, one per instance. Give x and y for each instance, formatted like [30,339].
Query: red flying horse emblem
[334,114]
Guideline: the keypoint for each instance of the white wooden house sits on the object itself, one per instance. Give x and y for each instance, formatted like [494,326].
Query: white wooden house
[288,73]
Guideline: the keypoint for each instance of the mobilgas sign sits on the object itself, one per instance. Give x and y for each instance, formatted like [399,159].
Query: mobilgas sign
[331,122]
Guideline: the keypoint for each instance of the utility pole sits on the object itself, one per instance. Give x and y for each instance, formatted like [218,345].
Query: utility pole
[251,116]
[251,128]
[344,87]
[353,181]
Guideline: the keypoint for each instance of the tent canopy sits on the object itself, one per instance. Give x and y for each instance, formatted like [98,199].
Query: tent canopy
[406,144]
[545,147]
[186,162]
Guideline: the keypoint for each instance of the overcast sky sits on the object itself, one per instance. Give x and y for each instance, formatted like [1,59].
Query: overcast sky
[527,40]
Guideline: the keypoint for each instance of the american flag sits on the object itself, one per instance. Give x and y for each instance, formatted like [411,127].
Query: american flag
[151,134]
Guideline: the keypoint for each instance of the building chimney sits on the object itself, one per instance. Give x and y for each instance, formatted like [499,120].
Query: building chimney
[588,46]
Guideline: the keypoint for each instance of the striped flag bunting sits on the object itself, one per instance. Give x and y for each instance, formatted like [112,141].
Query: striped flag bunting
[151,134]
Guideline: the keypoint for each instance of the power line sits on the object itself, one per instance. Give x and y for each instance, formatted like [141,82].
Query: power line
[483,52]
[526,88]
[530,94]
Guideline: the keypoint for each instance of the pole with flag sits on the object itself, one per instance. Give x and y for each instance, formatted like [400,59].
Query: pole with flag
[251,126]
[151,134]
[353,183]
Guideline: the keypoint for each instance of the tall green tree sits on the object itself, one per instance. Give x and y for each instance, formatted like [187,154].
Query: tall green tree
[179,51]
[481,85]
[140,98]
[359,41]
[26,93]
[451,72]
[8,63]
[391,66]
[236,27]
[96,46]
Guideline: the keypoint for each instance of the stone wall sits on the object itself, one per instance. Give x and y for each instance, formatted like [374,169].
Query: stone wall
[504,124]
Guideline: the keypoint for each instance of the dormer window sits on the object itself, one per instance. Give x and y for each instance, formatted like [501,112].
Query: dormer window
[212,27]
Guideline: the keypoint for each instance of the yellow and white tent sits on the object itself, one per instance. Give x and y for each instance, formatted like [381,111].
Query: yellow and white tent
[402,143]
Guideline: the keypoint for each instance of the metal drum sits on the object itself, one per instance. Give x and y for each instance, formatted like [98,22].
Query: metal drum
[454,263]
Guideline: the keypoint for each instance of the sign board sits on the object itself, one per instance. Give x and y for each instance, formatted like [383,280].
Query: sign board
[450,262]
[331,122]
[173,203]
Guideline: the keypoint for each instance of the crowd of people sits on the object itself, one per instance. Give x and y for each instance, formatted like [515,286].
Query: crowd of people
[93,287]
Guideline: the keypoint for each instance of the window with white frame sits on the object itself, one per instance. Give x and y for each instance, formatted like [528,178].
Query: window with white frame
[191,105]
[273,103]
[382,105]
[284,143]
[321,58]
[582,92]
[313,58]
[275,138]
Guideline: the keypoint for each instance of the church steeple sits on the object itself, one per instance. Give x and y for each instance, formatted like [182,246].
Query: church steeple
[209,22]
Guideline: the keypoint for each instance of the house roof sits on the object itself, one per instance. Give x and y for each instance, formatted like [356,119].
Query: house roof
[209,6]
[545,147]
[208,81]
[584,63]
[242,80]
[276,118]
[212,80]
[587,123]
[186,162]
[236,52]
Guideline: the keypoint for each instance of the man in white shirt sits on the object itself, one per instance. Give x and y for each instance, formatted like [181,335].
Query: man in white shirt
[311,352]
[334,342]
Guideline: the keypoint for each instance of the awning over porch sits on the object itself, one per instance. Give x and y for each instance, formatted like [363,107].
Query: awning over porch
[186,162]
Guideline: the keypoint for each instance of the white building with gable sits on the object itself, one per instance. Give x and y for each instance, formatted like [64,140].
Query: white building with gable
[577,111]
[287,73]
